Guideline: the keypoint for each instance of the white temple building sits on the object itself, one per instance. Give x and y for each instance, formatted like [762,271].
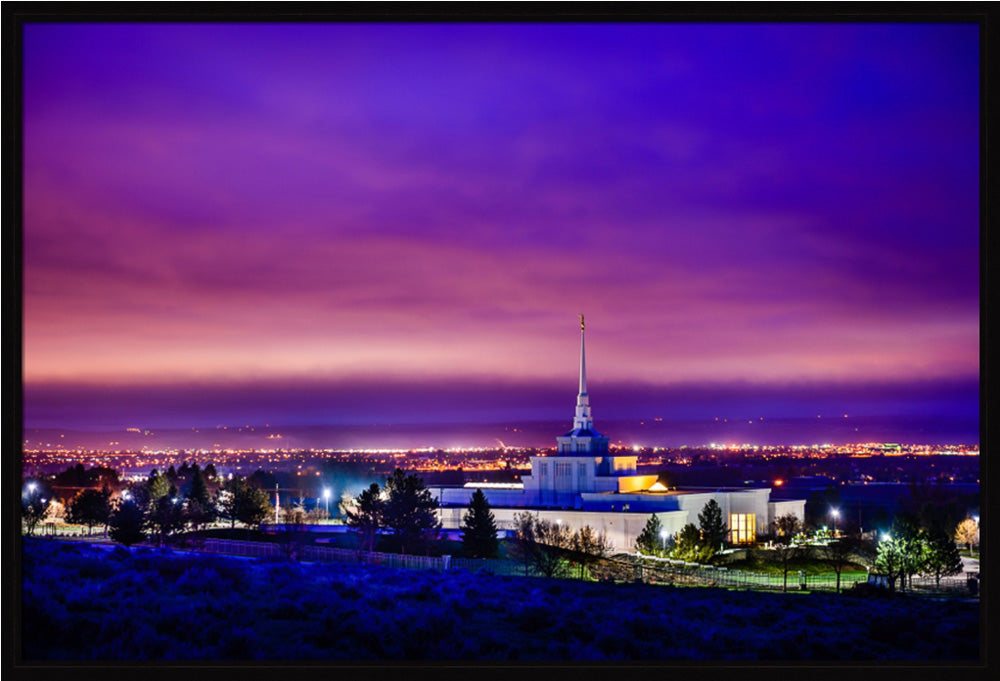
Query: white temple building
[584,484]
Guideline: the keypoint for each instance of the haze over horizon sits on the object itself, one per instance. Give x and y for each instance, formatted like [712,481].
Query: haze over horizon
[323,224]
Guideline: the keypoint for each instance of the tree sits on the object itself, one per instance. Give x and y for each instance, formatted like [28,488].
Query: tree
[788,526]
[210,473]
[198,514]
[889,560]
[524,544]
[199,508]
[365,515]
[713,529]
[198,490]
[589,547]
[293,536]
[157,486]
[90,507]
[166,517]
[942,556]
[649,540]
[967,533]
[409,509]
[785,553]
[689,546]
[837,554]
[127,523]
[910,542]
[479,529]
[228,499]
[252,507]
[34,503]
[138,493]
[552,540]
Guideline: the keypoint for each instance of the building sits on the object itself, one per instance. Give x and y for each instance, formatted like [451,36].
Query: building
[583,484]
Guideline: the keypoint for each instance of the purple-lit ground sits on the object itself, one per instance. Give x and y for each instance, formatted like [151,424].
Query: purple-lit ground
[88,603]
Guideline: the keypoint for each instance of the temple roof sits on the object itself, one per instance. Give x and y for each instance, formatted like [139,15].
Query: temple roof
[583,432]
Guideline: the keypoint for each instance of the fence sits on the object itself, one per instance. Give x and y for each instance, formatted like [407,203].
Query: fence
[618,569]
[493,565]
[324,554]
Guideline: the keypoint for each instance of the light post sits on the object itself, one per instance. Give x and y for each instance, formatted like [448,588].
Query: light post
[975,519]
[835,512]
[326,498]
[663,541]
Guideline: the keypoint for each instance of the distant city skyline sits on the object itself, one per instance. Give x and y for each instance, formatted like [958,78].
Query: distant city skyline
[356,223]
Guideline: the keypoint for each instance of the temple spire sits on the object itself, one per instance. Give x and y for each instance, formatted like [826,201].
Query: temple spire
[581,419]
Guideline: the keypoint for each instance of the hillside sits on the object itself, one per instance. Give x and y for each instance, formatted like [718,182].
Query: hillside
[82,602]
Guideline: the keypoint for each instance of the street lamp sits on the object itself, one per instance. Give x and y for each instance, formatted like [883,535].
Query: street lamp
[663,540]
[326,498]
[835,512]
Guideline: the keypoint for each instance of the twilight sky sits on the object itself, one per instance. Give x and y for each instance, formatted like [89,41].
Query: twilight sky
[403,221]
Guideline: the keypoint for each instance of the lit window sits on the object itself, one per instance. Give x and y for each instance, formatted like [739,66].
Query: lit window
[742,528]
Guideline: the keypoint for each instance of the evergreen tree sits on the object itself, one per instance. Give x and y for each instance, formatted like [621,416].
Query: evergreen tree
[228,499]
[166,517]
[210,473]
[409,509]
[127,523]
[253,507]
[689,544]
[713,529]
[198,490]
[649,540]
[156,486]
[942,556]
[479,530]
[90,507]
[366,516]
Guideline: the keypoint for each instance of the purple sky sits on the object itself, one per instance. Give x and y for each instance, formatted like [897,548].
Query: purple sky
[404,220]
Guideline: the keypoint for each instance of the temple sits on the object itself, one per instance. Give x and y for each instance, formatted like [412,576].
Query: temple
[584,484]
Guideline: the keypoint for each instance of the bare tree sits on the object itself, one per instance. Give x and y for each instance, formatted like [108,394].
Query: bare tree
[589,547]
[837,554]
[788,526]
[785,553]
